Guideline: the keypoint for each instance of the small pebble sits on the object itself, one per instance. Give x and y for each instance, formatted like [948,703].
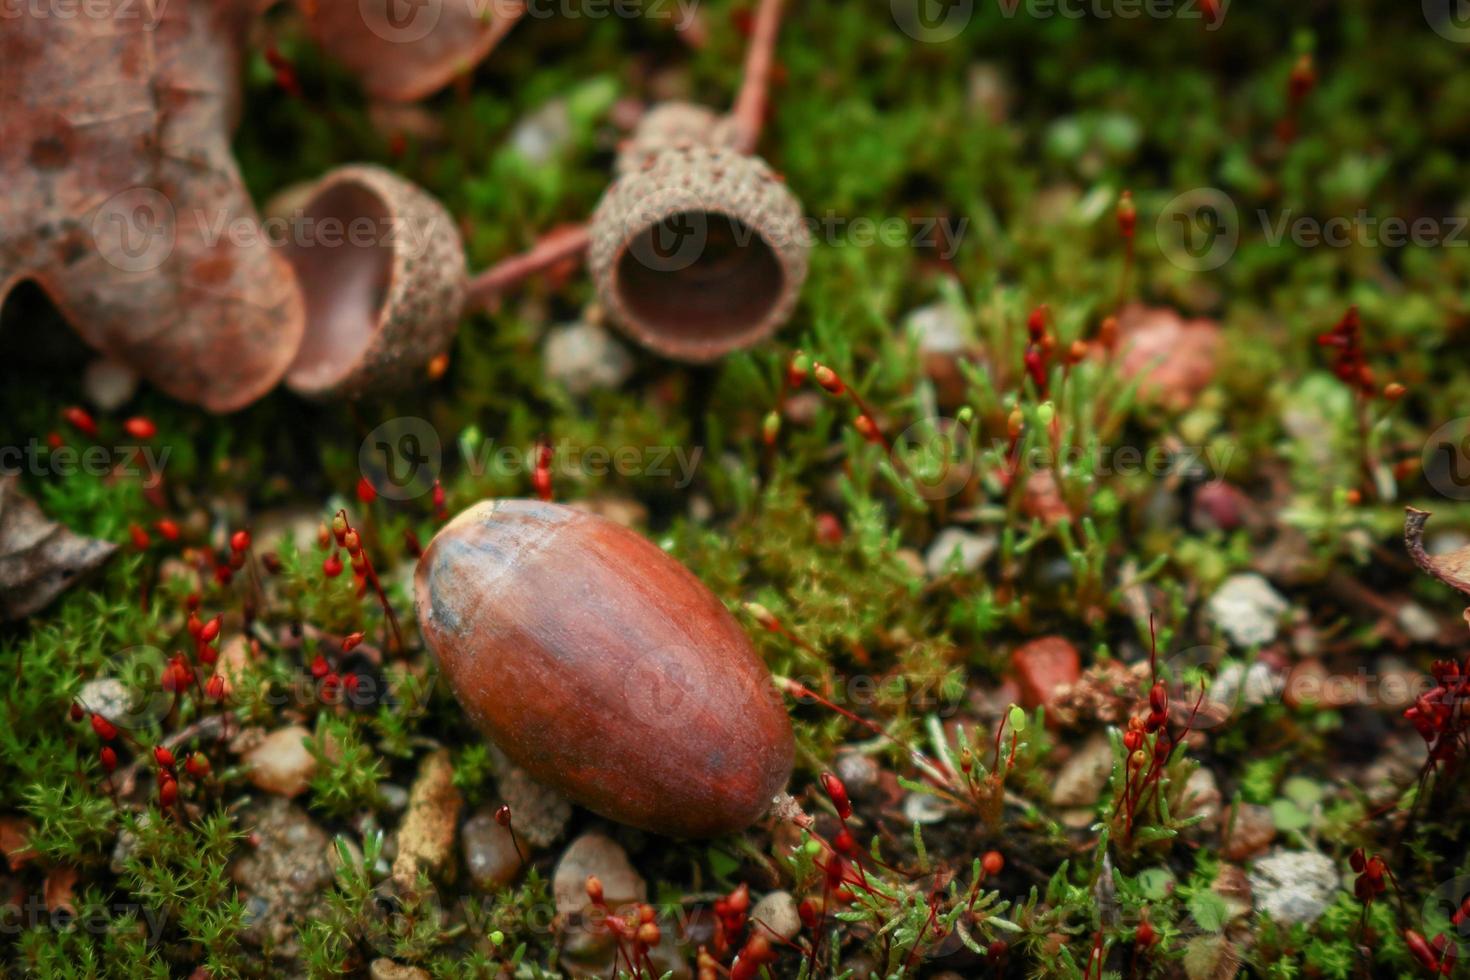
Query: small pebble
[426,836]
[1083,777]
[280,763]
[489,851]
[585,358]
[1294,886]
[1249,829]
[777,912]
[1247,609]
[109,385]
[957,549]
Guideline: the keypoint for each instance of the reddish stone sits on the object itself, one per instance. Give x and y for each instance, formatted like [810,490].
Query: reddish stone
[1044,665]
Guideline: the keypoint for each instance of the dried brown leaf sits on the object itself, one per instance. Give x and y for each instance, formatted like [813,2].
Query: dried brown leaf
[1451,568]
[15,841]
[405,51]
[60,890]
[39,559]
[122,199]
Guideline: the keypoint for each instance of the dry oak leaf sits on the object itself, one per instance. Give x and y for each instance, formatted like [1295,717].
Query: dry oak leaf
[1451,568]
[15,841]
[404,50]
[123,202]
[39,559]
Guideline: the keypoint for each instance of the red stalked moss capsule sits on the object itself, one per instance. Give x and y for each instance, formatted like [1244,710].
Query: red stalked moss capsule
[240,541]
[140,428]
[838,794]
[603,667]
[108,758]
[163,757]
[105,729]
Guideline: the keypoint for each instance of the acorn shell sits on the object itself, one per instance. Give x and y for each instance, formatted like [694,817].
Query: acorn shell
[603,667]
[699,252]
[382,268]
[668,126]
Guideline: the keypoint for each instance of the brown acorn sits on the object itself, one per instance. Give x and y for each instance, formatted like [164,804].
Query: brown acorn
[382,268]
[698,251]
[603,667]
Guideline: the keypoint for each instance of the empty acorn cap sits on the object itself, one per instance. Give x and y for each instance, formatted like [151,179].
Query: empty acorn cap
[668,126]
[699,252]
[382,268]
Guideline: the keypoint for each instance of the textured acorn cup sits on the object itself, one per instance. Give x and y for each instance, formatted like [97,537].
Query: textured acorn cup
[699,251]
[382,268]
[603,667]
[668,126]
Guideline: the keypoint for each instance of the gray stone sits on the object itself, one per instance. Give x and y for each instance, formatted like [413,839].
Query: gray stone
[541,136]
[777,912]
[1247,609]
[600,855]
[540,813]
[1083,777]
[1294,886]
[108,697]
[1418,623]
[489,851]
[281,880]
[956,548]
[585,358]
[858,772]
[586,937]
[109,385]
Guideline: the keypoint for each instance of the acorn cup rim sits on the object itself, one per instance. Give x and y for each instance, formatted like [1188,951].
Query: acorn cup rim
[393,348]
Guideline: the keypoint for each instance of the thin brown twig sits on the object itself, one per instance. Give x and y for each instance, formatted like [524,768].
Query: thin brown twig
[557,247]
[748,116]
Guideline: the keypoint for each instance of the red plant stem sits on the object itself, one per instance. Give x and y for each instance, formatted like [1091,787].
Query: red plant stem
[561,246]
[929,767]
[749,113]
[372,580]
